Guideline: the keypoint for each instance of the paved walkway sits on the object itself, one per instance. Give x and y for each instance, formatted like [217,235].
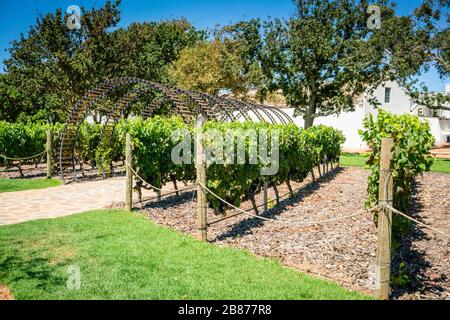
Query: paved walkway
[17,207]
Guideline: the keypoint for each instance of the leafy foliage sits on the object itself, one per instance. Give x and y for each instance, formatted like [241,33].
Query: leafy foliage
[52,67]
[411,154]
[209,67]
[152,149]
[18,140]
[153,141]
[22,141]
[300,151]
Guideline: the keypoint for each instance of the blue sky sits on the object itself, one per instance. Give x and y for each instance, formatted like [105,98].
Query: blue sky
[17,16]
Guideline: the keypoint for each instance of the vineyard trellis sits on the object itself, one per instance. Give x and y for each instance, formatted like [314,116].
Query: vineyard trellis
[186,103]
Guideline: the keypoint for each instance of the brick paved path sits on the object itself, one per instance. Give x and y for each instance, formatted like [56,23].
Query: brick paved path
[17,207]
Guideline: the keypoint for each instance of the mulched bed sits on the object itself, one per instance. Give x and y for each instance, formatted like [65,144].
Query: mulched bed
[343,251]
[425,253]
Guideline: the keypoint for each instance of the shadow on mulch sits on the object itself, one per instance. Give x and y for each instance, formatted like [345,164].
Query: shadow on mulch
[245,226]
[414,260]
[172,200]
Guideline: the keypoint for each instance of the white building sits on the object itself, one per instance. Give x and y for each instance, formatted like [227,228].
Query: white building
[394,99]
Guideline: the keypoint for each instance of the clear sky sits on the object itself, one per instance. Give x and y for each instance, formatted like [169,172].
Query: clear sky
[17,16]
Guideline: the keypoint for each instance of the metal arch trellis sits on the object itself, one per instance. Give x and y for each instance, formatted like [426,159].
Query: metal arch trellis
[187,104]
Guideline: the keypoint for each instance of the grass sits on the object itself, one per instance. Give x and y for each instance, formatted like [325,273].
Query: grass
[359,160]
[442,166]
[12,185]
[124,256]
[353,160]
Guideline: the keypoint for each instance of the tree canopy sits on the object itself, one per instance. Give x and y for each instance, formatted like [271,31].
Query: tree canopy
[51,67]
[321,59]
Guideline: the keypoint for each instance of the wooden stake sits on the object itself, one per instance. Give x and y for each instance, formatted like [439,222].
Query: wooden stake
[386,188]
[158,195]
[49,154]
[129,178]
[201,180]
[266,207]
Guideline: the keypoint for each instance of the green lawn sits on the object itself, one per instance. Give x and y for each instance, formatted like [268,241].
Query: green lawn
[11,185]
[124,256]
[358,160]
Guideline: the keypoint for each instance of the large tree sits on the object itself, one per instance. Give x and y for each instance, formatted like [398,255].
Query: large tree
[325,56]
[429,47]
[320,59]
[210,66]
[52,66]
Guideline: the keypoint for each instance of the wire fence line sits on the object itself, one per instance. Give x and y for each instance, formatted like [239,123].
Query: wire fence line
[383,205]
[153,187]
[140,178]
[387,206]
[23,159]
[281,221]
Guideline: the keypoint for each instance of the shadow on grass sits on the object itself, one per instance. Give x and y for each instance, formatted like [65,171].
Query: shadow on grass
[18,266]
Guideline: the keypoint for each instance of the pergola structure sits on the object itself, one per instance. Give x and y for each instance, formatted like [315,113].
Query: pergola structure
[185,103]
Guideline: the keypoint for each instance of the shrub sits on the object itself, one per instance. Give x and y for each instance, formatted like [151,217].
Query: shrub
[411,154]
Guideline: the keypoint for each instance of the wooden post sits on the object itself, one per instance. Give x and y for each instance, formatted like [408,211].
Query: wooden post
[386,188]
[158,195]
[49,153]
[129,177]
[201,179]
[266,207]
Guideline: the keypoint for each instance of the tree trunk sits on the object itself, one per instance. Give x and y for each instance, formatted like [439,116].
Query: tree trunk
[309,121]
[255,207]
[312,108]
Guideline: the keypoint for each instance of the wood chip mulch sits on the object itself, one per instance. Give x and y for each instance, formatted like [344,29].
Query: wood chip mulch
[5,294]
[342,251]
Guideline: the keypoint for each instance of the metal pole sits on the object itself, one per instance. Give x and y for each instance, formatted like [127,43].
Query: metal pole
[49,153]
[266,207]
[129,177]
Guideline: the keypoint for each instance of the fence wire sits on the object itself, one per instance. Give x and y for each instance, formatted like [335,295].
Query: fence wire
[382,205]
[23,159]
[282,221]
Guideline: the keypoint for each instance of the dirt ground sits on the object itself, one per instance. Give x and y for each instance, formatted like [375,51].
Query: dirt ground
[342,251]
[5,294]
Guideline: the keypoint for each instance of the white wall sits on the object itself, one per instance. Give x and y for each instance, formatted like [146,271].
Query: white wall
[349,123]
[400,102]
